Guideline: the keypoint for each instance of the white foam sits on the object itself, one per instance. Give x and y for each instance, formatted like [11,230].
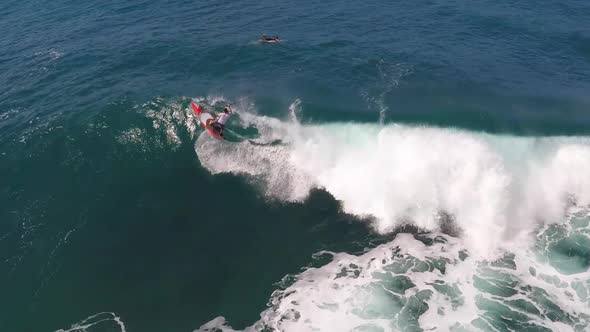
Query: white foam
[357,293]
[342,295]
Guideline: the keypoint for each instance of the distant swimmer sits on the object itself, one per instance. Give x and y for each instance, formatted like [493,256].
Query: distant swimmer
[268,39]
[218,123]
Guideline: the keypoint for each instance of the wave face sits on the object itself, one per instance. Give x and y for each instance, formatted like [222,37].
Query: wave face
[517,207]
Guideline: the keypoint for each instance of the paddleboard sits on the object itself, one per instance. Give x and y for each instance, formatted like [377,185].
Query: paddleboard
[203,117]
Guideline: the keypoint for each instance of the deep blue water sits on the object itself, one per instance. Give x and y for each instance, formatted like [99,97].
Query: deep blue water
[95,217]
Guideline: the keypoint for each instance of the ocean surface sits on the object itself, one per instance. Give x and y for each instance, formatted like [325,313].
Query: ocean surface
[391,166]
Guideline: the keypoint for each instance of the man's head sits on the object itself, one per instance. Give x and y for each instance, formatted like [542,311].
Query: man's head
[225,110]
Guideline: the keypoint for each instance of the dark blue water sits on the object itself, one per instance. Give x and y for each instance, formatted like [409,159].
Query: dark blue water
[105,205]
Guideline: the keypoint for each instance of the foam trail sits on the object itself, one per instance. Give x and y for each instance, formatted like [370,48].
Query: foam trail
[496,188]
[99,318]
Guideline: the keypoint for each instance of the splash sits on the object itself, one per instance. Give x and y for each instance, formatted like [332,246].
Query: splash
[389,77]
[495,188]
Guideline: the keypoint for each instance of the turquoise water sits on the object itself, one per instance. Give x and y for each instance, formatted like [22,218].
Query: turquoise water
[391,166]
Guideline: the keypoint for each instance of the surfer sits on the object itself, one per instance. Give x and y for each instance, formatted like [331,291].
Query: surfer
[267,39]
[218,123]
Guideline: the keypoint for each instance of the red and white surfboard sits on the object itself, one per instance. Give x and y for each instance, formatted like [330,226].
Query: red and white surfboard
[203,117]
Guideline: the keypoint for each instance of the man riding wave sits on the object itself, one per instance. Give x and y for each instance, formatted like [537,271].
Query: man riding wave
[218,123]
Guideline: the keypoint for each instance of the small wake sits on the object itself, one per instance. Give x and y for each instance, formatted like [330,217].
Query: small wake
[100,320]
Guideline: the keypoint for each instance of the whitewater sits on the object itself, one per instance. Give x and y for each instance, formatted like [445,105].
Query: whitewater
[500,217]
